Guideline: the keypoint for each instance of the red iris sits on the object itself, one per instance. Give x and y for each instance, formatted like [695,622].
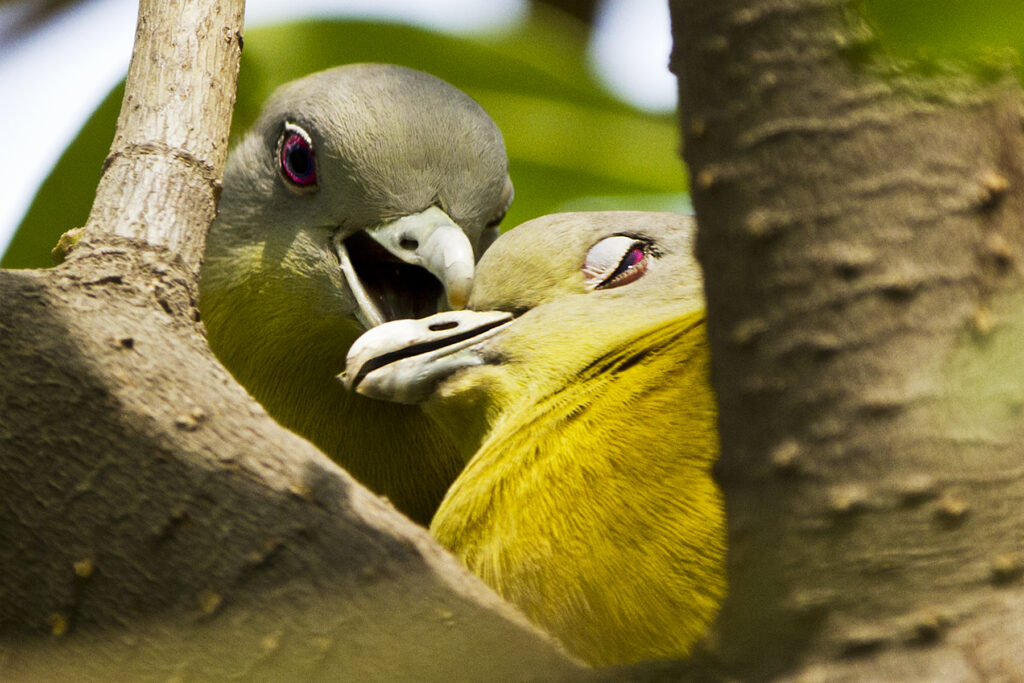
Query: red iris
[298,164]
[630,268]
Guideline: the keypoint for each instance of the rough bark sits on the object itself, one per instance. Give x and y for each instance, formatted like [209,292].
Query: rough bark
[161,179]
[861,235]
[155,522]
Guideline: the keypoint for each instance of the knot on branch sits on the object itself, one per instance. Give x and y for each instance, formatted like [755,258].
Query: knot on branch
[146,149]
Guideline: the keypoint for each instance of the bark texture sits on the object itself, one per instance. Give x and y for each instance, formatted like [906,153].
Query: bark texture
[861,235]
[180,78]
[156,523]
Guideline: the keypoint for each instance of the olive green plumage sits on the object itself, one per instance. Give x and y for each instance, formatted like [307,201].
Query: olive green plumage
[590,427]
[399,174]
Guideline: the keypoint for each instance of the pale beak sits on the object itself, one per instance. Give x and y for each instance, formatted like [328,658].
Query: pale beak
[404,360]
[429,239]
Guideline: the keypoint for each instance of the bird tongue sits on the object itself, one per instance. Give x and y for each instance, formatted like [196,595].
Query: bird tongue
[397,289]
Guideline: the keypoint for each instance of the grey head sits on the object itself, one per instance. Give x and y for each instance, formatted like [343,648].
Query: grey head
[366,190]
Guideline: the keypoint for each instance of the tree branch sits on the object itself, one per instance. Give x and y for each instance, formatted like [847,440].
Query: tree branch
[161,179]
[860,233]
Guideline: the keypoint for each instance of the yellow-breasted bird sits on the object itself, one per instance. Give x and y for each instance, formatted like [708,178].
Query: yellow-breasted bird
[578,389]
[361,194]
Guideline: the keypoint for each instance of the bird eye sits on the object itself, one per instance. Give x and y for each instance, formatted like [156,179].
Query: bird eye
[616,261]
[296,157]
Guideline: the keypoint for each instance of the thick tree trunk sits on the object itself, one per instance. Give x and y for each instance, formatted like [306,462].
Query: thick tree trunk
[155,522]
[862,238]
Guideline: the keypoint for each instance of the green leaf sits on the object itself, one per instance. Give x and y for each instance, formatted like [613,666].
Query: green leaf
[570,143]
[65,197]
[948,25]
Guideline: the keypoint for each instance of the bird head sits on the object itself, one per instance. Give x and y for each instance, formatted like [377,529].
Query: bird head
[366,191]
[549,297]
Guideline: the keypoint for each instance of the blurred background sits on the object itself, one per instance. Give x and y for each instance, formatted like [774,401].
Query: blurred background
[580,90]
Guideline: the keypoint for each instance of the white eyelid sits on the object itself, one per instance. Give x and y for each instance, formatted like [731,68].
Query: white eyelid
[604,257]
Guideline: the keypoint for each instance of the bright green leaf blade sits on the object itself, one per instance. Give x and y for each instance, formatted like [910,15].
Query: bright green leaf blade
[64,199]
[947,27]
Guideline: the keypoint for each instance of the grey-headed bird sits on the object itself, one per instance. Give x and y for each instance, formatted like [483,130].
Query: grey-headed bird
[362,194]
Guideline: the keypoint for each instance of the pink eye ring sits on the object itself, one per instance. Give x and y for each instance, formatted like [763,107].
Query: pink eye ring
[634,256]
[615,261]
[296,158]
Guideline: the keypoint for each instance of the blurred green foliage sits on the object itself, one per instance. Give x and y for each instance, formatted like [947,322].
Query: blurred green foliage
[986,36]
[570,144]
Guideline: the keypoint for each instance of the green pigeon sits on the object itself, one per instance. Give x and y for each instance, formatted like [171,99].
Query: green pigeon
[362,194]
[577,388]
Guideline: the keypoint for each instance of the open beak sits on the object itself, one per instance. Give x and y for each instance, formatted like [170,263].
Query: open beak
[408,268]
[404,360]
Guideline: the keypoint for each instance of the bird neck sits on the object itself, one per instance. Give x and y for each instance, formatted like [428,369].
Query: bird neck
[609,476]
[467,410]
[286,347]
